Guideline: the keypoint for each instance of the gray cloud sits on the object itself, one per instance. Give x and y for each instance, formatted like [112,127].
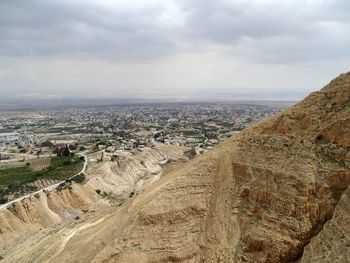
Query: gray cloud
[37,27]
[274,31]
[171,47]
[278,29]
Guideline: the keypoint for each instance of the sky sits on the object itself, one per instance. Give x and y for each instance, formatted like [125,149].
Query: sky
[178,49]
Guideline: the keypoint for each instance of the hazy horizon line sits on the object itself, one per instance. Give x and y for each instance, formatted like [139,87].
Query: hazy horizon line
[49,103]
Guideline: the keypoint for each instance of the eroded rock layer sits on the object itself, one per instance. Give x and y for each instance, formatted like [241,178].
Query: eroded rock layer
[106,181]
[332,244]
[259,197]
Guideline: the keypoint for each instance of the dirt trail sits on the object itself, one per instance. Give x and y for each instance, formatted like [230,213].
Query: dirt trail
[258,197]
[71,235]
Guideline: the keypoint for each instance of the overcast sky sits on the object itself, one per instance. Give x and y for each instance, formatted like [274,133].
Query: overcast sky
[239,49]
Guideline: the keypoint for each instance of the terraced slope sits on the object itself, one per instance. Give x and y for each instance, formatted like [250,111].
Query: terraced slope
[259,197]
[107,183]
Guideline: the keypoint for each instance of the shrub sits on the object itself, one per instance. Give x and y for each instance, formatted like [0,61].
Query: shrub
[67,162]
[61,186]
[47,144]
[3,199]
[80,178]
[190,153]
[114,158]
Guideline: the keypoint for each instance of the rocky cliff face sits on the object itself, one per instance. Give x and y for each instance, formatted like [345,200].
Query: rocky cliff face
[332,244]
[262,196]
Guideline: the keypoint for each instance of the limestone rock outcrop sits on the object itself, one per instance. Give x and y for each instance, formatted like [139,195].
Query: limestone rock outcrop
[65,205]
[274,193]
[332,244]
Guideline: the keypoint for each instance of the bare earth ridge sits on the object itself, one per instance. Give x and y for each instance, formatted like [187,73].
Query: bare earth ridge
[262,196]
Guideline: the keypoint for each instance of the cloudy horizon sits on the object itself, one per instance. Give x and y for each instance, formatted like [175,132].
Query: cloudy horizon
[155,49]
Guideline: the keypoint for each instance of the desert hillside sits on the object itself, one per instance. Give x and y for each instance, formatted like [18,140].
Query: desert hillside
[277,192]
[107,183]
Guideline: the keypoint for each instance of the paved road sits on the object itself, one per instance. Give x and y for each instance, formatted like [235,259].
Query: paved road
[47,189]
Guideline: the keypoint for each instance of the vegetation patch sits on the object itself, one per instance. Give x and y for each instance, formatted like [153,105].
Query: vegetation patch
[15,179]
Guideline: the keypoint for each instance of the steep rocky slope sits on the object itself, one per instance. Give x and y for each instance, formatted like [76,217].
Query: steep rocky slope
[259,197]
[131,173]
[114,181]
[332,244]
[46,210]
